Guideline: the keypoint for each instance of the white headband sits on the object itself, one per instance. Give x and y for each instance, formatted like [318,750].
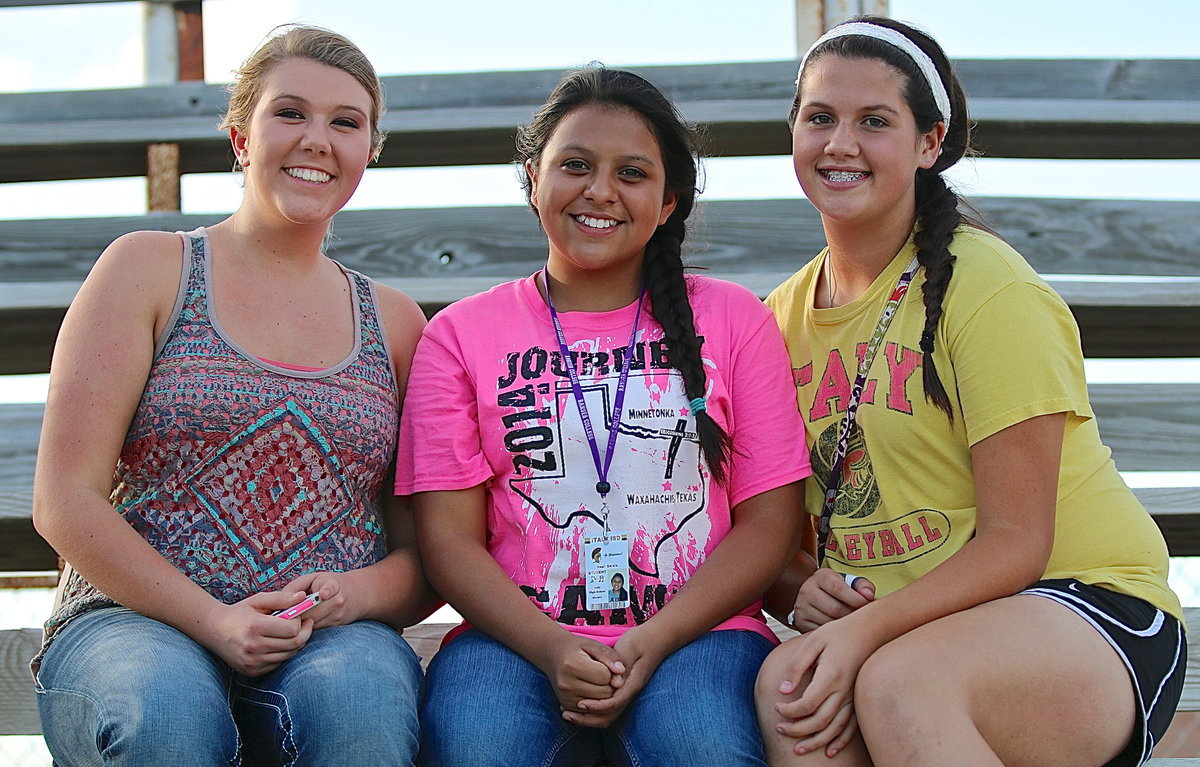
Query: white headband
[888,35]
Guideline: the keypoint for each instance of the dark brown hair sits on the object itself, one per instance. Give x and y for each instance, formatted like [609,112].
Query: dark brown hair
[663,260]
[938,207]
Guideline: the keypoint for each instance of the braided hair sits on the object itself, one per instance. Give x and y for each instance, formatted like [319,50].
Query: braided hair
[937,205]
[663,259]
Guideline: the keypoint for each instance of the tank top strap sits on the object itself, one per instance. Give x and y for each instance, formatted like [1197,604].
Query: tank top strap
[195,289]
[373,340]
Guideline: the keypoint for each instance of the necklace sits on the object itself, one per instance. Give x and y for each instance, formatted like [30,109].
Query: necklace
[830,286]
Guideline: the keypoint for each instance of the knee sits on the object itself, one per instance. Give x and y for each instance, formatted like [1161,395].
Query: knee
[771,674]
[711,728]
[472,713]
[118,683]
[466,728]
[684,744]
[365,660]
[896,684]
[170,737]
[477,740]
[83,730]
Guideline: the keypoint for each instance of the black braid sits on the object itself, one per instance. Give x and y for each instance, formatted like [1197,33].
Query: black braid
[937,218]
[671,307]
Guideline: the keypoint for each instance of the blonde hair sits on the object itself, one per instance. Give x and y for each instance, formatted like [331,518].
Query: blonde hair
[303,42]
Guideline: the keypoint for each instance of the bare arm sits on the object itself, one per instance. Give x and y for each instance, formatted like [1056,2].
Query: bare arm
[780,598]
[101,361]
[1016,484]
[1016,490]
[744,564]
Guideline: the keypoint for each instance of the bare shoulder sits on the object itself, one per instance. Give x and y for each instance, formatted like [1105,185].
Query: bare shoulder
[136,278]
[400,313]
[145,243]
[142,258]
[106,342]
[403,322]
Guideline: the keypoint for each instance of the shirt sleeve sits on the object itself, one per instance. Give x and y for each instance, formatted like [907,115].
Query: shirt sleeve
[769,447]
[439,446]
[1018,356]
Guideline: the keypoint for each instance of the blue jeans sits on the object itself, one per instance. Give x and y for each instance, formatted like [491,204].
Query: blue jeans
[118,688]
[485,705]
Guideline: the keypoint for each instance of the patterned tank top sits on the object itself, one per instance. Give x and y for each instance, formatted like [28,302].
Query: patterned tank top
[245,474]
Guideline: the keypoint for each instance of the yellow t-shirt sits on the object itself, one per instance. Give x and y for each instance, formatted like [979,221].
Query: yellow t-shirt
[1007,349]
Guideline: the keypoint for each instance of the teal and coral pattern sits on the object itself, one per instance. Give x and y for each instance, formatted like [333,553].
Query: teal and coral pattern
[246,475]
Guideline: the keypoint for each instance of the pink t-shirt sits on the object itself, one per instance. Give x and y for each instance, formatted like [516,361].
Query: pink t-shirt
[489,401]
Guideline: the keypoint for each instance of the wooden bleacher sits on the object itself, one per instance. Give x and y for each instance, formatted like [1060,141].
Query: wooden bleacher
[1129,269]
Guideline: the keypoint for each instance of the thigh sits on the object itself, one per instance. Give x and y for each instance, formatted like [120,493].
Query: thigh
[348,697]
[119,688]
[1152,645]
[485,705]
[698,708]
[1022,677]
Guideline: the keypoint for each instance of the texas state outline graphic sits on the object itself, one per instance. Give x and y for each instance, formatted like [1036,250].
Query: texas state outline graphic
[656,458]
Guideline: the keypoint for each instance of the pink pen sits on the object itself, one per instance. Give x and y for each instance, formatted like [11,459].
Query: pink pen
[310,601]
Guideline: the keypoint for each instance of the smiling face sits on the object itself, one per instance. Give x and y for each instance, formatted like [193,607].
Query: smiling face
[307,143]
[856,147]
[599,189]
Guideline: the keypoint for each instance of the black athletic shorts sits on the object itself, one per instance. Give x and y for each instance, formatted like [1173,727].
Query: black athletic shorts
[1149,641]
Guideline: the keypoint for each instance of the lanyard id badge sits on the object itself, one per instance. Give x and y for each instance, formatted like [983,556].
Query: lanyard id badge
[606,556]
[606,571]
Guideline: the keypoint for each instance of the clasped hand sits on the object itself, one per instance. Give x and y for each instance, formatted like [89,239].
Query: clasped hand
[597,682]
[252,641]
[817,690]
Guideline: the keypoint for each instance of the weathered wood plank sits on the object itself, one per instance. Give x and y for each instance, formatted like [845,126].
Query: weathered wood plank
[1190,699]
[1176,511]
[1058,236]
[1115,320]
[21,548]
[1028,108]
[439,255]
[1150,427]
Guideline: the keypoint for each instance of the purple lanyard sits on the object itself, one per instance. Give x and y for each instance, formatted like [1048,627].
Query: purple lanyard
[860,381]
[602,486]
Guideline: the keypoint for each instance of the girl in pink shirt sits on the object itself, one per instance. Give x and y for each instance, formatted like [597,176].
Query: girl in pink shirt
[606,416]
